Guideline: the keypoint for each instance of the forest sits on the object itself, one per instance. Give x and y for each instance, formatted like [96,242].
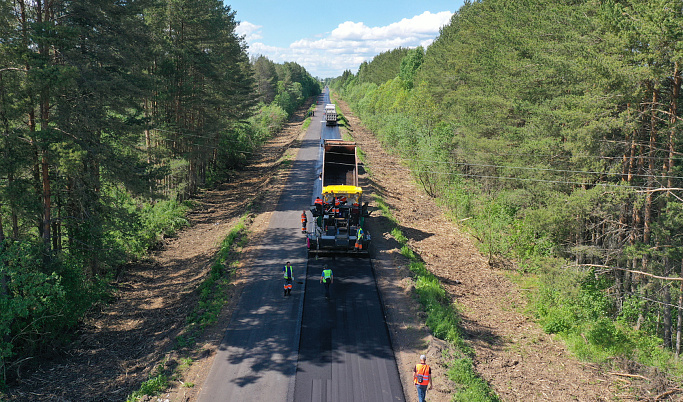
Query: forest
[113,115]
[552,131]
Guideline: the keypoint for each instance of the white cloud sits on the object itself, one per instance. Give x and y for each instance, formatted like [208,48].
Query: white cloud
[250,31]
[351,43]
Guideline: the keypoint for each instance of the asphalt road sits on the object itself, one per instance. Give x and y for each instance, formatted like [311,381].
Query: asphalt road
[345,353]
[341,346]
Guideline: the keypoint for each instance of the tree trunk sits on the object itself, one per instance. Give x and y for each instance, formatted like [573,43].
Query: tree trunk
[667,317]
[673,110]
[647,221]
[46,201]
[2,231]
[679,322]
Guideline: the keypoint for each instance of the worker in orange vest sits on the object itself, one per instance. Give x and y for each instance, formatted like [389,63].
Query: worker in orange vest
[304,221]
[318,205]
[422,376]
[336,207]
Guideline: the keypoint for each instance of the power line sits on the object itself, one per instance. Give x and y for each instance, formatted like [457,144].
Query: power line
[469,164]
[480,176]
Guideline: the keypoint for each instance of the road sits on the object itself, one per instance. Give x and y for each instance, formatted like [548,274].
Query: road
[301,347]
[345,353]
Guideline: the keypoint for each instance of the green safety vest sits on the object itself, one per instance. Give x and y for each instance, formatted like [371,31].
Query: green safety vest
[360,233]
[327,273]
[288,270]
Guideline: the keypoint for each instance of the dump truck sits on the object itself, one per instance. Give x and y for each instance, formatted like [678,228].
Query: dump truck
[339,212]
[330,114]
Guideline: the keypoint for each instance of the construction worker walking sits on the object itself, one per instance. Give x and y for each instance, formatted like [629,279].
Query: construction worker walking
[422,376]
[289,277]
[359,239]
[327,278]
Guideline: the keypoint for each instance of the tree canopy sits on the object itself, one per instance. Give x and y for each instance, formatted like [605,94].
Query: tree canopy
[557,124]
[111,114]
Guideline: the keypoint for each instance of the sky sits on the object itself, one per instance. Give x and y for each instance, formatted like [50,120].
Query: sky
[327,38]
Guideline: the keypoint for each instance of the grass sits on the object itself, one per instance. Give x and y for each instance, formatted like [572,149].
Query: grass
[212,294]
[156,384]
[443,320]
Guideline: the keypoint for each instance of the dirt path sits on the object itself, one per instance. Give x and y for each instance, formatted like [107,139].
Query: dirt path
[513,354]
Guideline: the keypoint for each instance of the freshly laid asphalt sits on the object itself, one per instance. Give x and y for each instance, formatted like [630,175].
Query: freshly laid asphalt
[304,347]
[345,353]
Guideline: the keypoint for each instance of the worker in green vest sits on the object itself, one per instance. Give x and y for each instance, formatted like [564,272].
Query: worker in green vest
[327,278]
[359,239]
[287,270]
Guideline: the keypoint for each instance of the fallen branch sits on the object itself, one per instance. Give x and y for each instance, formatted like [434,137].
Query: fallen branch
[666,278]
[667,393]
[631,376]
[2,70]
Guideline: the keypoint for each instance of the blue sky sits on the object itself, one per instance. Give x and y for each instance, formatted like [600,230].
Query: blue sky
[327,38]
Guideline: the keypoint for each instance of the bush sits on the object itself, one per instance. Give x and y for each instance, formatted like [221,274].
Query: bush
[164,218]
[268,120]
[36,308]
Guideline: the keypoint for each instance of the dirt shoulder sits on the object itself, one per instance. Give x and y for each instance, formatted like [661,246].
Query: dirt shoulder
[515,356]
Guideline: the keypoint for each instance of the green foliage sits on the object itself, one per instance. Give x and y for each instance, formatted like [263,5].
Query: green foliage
[398,235]
[156,384]
[409,65]
[384,67]
[39,307]
[163,218]
[442,320]
[472,387]
[293,84]
[100,145]
[577,307]
[212,291]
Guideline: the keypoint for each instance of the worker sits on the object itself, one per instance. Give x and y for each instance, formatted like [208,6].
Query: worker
[422,376]
[359,239]
[318,205]
[327,278]
[335,210]
[304,221]
[289,277]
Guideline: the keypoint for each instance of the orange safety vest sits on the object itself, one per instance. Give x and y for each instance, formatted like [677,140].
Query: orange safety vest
[422,370]
[318,201]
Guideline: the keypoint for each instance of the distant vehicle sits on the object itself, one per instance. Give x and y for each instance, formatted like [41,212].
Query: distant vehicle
[340,217]
[330,114]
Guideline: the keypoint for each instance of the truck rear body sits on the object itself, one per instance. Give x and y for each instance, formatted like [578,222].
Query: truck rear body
[330,114]
[340,215]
